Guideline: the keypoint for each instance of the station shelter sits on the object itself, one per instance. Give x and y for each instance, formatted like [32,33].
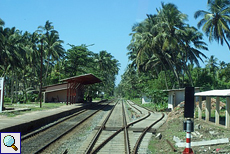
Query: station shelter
[217,94]
[71,90]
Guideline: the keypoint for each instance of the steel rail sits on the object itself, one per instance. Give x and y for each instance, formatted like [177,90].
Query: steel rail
[135,149]
[41,148]
[126,133]
[24,137]
[134,107]
[55,123]
[144,107]
[96,136]
[117,132]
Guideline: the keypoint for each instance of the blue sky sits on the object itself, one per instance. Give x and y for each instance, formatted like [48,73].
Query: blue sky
[104,23]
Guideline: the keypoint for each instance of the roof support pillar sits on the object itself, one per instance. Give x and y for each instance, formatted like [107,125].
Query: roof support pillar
[227,117]
[200,108]
[44,97]
[208,109]
[67,96]
[217,114]
[71,92]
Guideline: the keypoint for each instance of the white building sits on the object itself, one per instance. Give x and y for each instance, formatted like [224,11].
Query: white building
[176,96]
[145,99]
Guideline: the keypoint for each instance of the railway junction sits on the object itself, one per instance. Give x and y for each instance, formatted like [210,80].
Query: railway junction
[123,127]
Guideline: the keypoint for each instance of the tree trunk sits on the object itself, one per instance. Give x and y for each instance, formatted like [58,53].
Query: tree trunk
[166,84]
[16,89]
[12,88]
[189,75]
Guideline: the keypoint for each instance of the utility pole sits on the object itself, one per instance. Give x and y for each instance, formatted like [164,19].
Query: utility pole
[41,74]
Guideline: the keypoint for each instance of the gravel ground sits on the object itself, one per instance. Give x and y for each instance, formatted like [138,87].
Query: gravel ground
[73,141]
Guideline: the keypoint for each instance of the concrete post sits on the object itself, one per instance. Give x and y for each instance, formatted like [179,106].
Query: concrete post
[227,117]
[194,107]
[217,114]
[44,97]
[208,109]
[174,100]
[200,108]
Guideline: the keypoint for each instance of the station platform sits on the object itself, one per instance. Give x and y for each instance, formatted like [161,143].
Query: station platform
[31,121]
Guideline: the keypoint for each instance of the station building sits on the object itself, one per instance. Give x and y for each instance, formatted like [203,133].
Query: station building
[71,90]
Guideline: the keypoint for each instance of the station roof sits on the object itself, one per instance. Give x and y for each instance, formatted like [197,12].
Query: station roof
[181,89]
[83,79]
[214,93]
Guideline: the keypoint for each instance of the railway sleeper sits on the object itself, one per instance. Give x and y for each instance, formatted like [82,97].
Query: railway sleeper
[151,130]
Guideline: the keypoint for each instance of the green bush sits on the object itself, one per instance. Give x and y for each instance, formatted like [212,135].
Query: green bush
[7,99]
[152,106]
[32,97]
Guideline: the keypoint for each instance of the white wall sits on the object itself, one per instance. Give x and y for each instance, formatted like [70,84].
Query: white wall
[145,100]
[179,97]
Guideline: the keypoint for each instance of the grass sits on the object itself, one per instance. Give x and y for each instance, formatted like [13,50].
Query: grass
[221,112]
[32,106]
[151,106]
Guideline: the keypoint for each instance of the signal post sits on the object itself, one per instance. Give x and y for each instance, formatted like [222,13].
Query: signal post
[188,115]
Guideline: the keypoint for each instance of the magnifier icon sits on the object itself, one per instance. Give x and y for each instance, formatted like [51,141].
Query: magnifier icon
[9,141]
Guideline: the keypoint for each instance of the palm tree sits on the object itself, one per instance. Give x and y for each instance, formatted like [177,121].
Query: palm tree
[48,28]
[164,42]
[103,59]
[222,65]
[216,21]
[52,45]
[158,35]
[10,51]
[2,23]
[212,65]
[191,43]
[107,68]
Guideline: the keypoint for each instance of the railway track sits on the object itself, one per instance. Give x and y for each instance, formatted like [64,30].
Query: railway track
[104,145]
[116,133]
[37,141]
[132,105]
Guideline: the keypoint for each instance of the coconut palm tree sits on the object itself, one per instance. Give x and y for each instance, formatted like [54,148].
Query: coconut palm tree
[2,23]
[10,51]
[216,21]
[107,68]
[212,65]
[191,44]
[164,42]
[52,45]
[158,35]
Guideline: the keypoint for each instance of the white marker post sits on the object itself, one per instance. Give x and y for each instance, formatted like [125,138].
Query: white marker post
[1,93]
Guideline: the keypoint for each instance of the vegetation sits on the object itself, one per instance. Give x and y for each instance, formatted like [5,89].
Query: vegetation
[165,52]
[154,107]
[25,55]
